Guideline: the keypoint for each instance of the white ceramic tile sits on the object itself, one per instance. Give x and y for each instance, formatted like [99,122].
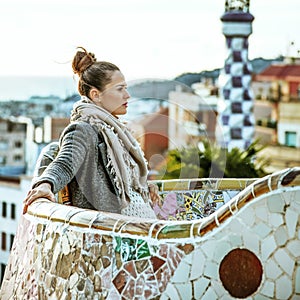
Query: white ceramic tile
[225,297]
[280,236]
[284,261]
[222,248]
[294,248]
[287,196]
[276,203]
[297,196]
[296,206]
[164,296]
[235,226]
[291,219]
[211,270]
[172,292]
[56,254]
[276,219]
[260,297]
[217,287]
[72,237]
[65,245]
[297,280]
[283,289]
[272,269]
[208,248]
[73,280]
[268,289]
[268,246]
[209,295]
[262,229]
[189,258]
[251,242]
[48,244]
[248,216]
[185,290]
[235,240]
[198,264]
[182,272]
[200,285]
[261,212]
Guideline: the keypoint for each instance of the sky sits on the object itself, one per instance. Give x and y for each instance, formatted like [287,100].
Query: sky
[158,39]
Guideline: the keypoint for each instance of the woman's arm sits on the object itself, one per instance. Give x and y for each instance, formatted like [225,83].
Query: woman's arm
[74,144]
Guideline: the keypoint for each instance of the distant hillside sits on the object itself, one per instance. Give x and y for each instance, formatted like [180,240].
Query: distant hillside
[258,65]
[158,89]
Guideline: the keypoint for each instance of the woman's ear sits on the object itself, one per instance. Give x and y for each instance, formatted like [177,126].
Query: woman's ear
[95,95]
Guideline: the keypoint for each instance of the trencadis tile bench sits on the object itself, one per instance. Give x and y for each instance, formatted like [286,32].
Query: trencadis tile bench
[220,239]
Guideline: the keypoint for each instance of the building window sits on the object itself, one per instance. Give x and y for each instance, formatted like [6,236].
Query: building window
[17,157]
[4,209]
[13,211]
[290,138]
[12,236]
[2,160]
[3,241]
[3,266]
[18,144]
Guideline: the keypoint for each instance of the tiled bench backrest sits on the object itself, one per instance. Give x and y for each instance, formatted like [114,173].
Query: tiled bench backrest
[190,199]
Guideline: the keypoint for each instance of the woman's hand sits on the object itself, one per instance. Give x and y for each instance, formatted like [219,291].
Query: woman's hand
[41,191]
[155,197]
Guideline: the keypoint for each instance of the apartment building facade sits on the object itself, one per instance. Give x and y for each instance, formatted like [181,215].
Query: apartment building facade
[12,147]
[278,88]
[12,193]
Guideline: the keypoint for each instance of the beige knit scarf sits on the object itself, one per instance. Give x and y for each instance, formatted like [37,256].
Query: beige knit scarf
[118,139]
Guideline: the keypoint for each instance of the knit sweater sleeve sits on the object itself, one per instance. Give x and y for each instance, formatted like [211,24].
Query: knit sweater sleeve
[75,141]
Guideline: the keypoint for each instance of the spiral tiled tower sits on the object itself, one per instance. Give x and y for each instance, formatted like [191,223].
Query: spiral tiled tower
[235,120]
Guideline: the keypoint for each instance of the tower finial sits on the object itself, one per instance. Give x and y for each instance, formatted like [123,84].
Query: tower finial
[237,5]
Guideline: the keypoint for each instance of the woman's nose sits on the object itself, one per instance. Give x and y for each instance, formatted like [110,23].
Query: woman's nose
[127,95]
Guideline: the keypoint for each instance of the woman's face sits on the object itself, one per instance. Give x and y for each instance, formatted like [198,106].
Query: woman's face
[114,97]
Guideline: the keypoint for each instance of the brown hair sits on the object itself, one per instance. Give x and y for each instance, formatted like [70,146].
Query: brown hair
[92,73]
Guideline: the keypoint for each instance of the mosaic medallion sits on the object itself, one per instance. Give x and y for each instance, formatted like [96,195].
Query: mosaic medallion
[241,273]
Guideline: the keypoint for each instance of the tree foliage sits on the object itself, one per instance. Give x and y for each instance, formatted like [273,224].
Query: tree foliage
[214,162]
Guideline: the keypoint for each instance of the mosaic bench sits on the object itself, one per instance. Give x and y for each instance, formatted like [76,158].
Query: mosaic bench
[221,239]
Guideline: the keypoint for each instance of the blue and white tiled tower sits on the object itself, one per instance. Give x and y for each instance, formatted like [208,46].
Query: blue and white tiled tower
[235,120]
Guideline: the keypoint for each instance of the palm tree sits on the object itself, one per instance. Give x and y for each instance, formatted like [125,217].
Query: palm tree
[214,162]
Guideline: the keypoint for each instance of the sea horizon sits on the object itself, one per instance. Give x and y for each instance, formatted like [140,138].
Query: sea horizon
[21,88]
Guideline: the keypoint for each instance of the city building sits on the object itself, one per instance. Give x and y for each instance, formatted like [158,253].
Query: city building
[192,116]
[12,147]
[12,192]
[277,110]
[278,86]
[153,135]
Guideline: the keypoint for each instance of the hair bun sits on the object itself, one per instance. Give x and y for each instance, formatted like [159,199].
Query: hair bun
[82,60]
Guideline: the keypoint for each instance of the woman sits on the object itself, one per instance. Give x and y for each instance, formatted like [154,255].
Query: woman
[99,159]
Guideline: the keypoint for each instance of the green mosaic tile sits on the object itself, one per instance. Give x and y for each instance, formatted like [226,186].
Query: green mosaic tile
[131,249]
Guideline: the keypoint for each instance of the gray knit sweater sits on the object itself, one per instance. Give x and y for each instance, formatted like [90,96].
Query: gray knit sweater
[81,163]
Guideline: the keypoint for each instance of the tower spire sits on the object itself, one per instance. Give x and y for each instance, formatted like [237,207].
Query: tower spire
[235,120]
